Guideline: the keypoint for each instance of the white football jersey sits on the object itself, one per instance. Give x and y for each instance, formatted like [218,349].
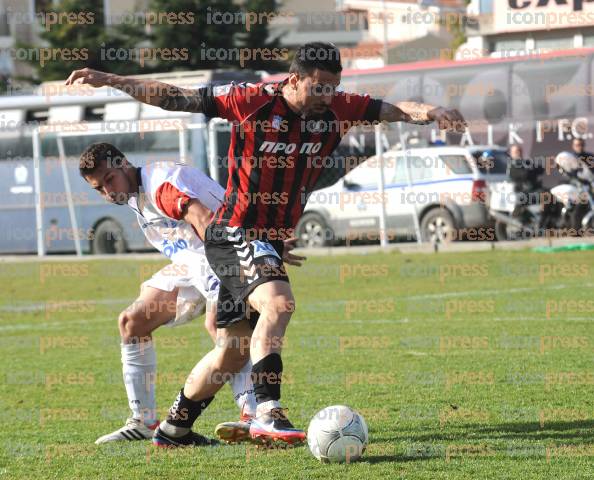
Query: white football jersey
[164,191]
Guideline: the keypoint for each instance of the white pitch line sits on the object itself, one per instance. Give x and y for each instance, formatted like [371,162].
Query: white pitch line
[39,306]
[376,321]
[56,324]
[111,301]
[469,293]
[466,293]
[541,318]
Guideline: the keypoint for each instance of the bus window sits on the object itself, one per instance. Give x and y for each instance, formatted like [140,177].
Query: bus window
[544,90]
[479,92]
[121,111]
[392,88]
[128,143]
[15,144]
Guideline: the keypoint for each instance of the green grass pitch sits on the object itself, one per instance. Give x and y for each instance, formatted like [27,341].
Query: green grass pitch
[465,366]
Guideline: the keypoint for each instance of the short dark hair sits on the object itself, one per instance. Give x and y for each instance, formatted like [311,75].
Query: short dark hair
[579,139]
[316,55]
[97,154]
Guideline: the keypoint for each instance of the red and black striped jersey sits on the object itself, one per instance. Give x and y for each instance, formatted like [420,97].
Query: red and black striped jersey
[277,157]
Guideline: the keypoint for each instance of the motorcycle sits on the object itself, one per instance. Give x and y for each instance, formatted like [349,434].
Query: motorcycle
[521,207]
[577,196]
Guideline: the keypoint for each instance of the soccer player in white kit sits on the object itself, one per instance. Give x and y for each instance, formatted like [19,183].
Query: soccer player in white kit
[159,193]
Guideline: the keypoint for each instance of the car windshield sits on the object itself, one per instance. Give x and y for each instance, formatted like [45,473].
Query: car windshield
[456,163]
[493,164]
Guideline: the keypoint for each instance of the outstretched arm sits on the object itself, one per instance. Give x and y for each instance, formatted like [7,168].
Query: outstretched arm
[153,92]
[423,114]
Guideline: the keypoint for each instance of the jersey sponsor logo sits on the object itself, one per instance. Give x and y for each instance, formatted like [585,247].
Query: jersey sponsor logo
[273,262]
[288,148]
[262,249]
[222,89]
[212,283]
[276,121]
[170,248]
[160,224]
[316,127]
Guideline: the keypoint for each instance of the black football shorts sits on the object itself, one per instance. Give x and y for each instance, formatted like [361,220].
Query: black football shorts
[241,266]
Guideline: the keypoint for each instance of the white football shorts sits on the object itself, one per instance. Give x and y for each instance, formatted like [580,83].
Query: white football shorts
[195,292]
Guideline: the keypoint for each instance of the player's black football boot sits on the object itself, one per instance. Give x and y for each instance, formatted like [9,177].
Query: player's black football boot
[190,439]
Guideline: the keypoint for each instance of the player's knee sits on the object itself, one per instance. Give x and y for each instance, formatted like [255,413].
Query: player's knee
[280,307]
[131,326]
[230,360]
[235,363]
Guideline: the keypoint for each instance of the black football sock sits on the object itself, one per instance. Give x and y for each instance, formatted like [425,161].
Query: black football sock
[266,376]
[182,414]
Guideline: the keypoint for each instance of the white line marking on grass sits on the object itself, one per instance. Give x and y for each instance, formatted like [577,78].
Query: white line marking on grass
[37,306]
[356,322]
[65,323]
[56,324]
[491,292]
[26,307]
[383,321]
[542,318]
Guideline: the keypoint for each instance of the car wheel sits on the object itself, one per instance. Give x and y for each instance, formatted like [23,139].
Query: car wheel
[108,238]
[437,226]
[313,231]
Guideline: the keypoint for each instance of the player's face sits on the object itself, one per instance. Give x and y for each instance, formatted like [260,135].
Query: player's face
[578,146]
[112,183]
[515,153]
[315,92]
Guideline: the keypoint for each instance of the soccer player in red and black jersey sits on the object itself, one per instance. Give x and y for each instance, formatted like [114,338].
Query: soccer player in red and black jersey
[283,136]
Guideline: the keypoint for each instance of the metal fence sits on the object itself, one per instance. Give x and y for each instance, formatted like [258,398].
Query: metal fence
[215,168]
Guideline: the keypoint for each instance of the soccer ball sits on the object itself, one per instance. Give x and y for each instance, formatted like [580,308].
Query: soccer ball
[337,434]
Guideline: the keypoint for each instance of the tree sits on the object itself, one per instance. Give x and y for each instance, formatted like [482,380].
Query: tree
[85,42]
[457,30]
[208,41]
[258,37]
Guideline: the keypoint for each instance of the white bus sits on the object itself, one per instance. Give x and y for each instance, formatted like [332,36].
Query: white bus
[94,115]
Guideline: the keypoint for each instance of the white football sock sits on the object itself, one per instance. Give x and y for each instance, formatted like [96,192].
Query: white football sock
[139,362]
[243,390]
[265,407]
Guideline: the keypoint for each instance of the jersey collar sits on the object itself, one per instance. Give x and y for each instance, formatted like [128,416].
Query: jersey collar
[139,178]
[278,90]
[137,202]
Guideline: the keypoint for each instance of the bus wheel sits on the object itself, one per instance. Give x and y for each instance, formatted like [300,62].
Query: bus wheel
[108,238]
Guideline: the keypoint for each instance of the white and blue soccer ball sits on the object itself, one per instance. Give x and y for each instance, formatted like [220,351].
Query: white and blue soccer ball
[337,434]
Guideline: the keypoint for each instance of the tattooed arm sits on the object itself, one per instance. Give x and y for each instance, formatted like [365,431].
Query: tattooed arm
[422,114]
[159,94]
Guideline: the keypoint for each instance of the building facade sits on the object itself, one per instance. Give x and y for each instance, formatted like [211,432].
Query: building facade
[500,28]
